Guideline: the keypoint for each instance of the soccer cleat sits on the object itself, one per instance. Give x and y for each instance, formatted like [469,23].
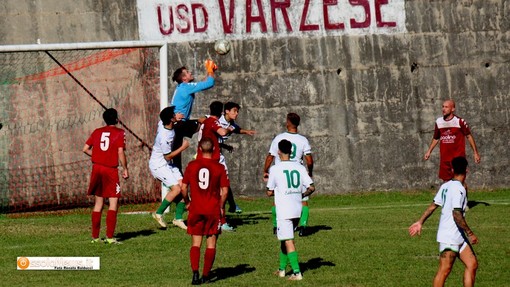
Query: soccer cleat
[205,279]
[96,240]
[159,219]
[302,231]
[238,210]
[112,241]
[179,223]
[296,277]
[226,227]
[196,278]
[279,273]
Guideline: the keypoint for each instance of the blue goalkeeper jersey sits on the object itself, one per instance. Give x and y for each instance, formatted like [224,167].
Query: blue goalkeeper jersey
[184,95]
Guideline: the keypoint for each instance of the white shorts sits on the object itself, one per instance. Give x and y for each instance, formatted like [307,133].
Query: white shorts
[167,174]
[223,162]
[457,248]
[285,228]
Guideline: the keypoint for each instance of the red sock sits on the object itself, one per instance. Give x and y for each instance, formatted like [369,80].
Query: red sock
[194,258]
[111,222]
[96,223]
[210,253]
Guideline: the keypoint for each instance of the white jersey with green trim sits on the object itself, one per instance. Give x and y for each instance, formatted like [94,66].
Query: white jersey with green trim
[451,195]
[289,180]
[162,146]
[300,146]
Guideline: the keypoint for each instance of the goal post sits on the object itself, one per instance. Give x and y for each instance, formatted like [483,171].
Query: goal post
[52,98]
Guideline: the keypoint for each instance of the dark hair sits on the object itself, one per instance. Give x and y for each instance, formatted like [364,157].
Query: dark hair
[285,146]
[216,108]
[166,115]
[459,165]
[293,118]
[230,105]
[177,76]
[206,144]
[110,116]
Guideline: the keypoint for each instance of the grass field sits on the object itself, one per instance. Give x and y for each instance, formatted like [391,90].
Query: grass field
[354,240]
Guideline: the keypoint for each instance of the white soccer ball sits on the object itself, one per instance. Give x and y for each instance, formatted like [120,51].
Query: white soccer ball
[222,46]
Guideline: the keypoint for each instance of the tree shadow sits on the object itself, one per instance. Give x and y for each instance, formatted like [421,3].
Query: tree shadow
[226,272]
[128,235]
[315,228]
[314,263]
[473,203]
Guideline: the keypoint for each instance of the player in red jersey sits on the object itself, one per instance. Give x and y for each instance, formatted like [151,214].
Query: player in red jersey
[451,132]
[106,147]
[208,187]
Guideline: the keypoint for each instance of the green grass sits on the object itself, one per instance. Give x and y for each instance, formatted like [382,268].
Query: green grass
[357,240]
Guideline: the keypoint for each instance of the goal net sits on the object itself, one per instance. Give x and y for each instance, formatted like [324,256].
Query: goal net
[52,98]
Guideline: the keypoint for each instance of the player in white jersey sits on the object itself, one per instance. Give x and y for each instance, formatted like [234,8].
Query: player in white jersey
[288,182]
[161,167]
[453,234]
[300,149]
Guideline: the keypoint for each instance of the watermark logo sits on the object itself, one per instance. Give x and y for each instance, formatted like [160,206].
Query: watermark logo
[23,263]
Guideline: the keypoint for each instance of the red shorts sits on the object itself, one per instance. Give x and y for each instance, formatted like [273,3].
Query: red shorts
[445,170]
[104,181]
[204,224]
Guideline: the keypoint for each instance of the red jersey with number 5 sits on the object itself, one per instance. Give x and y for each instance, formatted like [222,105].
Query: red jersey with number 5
[205,177]
[105,143]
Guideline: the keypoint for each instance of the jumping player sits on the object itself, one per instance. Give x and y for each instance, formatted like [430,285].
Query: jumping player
[300,149]
[162,168]
[288,182]
[208,187]
[454,235]
[106,148]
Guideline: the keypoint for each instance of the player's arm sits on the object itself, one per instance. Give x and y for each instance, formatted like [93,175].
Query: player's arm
[267,164]
[87,150]
[433,144]
[309,190]
[416,227]
[472,143]
[185,145]
[459,219]
[223,195]
[123,162]
[309,164]
[270,192]
[247,132]
[223,132]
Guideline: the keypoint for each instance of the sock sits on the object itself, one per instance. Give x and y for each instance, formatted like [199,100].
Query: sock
[210,253]
[179,210]
[273,215]
[163,206]
[283,260]
[96,223]
[111,222]
[294,263]
[305,212]
[194,258]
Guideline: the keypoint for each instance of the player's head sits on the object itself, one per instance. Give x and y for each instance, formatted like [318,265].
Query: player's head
[110,116]
[293,119]
[459,165]
[206,145]
[448,108]
[216,108]
[231,110]
[166,115]
[182,75]
[285,147]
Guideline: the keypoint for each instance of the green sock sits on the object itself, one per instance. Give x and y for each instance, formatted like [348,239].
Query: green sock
[283,261]
[305,212]
[163,206]
[273,215]
[294,263]
[179,210]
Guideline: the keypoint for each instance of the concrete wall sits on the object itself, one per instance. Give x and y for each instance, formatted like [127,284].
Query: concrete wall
[368,103]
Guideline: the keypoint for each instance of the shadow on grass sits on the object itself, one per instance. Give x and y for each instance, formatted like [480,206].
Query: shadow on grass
[128,235]
[314,229]
[473,203]
[226,272]
[246,219]
[314,263]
